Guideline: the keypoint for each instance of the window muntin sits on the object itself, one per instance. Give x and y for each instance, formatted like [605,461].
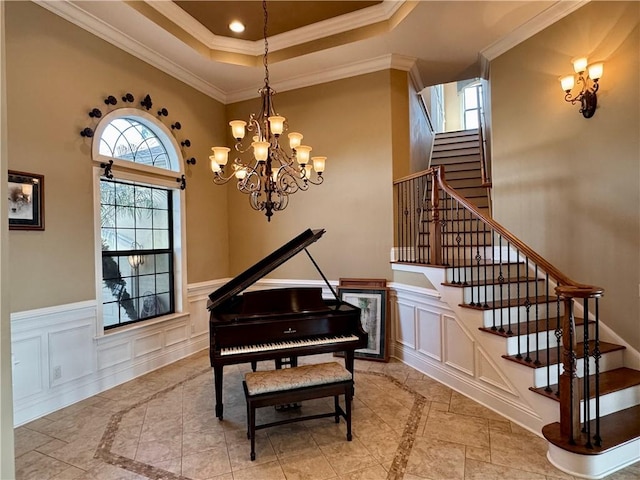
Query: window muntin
[126,138]
[137,252]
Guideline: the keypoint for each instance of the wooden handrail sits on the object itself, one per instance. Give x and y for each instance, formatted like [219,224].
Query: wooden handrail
[560,277]
[413,176]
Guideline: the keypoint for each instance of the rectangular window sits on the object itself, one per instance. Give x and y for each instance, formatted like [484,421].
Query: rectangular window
[137,252]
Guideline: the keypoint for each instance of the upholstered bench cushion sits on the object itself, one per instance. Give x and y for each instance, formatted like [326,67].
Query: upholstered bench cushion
[297,377]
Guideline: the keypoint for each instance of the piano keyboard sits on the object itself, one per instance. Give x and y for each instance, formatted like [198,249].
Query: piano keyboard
[303,342]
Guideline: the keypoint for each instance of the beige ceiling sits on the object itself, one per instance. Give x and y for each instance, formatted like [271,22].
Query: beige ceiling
[283,16]
[312,42]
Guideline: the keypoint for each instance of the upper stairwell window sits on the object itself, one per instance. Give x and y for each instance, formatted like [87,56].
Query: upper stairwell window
[140,267]
[471,105]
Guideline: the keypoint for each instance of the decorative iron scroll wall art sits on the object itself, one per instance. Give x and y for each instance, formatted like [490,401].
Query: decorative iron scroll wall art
[26,201]
[146,104]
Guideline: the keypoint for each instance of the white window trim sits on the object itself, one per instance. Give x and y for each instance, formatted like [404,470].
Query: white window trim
[129,171]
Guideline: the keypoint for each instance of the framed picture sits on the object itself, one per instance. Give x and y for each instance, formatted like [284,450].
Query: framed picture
[26,201]
[373,315]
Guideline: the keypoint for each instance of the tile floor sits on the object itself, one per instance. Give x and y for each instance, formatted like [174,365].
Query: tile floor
[162,426]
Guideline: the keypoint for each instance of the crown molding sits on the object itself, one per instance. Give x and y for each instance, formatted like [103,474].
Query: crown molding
[384,62]
[83,19]
[554,13]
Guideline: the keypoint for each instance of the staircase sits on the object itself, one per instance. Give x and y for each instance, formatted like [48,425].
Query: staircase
[548,323]
[460,153]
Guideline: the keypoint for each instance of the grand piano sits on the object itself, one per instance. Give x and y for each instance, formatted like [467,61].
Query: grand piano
[278,323]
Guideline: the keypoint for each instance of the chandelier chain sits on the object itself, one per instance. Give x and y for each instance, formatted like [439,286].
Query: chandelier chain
[266,44]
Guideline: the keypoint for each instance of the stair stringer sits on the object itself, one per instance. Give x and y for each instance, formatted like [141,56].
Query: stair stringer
[512,398]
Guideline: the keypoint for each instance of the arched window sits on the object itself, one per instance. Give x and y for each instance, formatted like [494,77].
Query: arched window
[140,210]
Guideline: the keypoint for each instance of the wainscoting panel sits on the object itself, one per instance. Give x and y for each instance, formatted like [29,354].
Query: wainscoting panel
[110,355]
[176,335]
[27,366]
[71,353]
[429,327]
[147,344]
[405,325]
[459,347]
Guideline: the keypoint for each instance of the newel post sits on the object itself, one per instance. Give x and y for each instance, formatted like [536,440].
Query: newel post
[570,391]
[436,244]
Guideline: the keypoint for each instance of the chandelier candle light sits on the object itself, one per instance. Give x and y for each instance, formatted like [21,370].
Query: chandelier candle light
[273,173]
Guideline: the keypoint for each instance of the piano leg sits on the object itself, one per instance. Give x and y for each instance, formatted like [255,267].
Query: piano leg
[349,357]
[217,380]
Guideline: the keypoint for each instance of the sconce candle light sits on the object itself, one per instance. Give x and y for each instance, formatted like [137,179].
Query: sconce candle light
[589,85]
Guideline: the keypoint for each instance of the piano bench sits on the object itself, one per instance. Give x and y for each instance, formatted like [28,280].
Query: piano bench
[290,385]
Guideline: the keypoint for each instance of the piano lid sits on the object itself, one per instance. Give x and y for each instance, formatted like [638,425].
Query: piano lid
[263,267]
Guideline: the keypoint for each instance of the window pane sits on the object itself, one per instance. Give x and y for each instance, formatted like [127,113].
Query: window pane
[125,238]
[108,239]
[124,217]
[470,98]
[163,283]
[160,219]
[110,314]
[144,239]
[162,263]
[108,216]
[471,119]
[144,218]
[160,239]
[124,194]
[160,199]
[147,284]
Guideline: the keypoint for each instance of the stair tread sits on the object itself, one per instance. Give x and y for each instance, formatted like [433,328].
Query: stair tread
[610,381]
[541,355]
[514,302]
[534,326]
[493,281]
[615,429]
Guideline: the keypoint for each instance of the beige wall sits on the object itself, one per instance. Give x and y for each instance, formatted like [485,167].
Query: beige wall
[56,73]
[349,121]
[7,462]
[452,108]
[421,135]
[566,185]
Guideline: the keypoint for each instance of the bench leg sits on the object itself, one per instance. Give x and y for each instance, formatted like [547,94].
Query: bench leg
[252,430]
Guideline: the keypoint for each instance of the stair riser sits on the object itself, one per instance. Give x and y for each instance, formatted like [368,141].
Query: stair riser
[492,272]
[468,238]
[450,155]
[473,173]
[514,315]
[613,402]
[440,141]
[538,341]
[490,293]
[455,254]
[609,361]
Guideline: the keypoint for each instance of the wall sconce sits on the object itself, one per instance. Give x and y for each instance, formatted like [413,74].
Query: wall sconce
[587,96]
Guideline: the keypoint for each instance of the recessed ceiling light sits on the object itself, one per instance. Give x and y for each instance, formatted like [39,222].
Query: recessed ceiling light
[236,26]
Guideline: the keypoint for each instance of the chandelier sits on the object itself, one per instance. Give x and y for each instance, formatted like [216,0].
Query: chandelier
[271,173]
